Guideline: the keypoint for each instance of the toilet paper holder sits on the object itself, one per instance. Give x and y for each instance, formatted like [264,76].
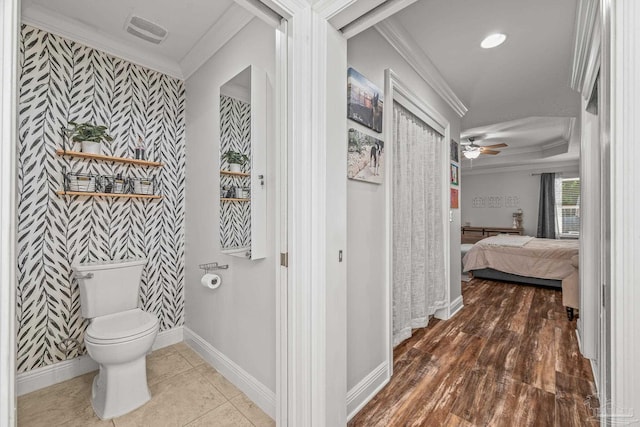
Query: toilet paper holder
[213,266]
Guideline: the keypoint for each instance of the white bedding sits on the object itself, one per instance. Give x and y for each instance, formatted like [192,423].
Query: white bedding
[507,240]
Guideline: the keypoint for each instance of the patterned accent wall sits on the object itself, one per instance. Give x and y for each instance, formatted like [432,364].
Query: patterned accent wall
[235,134]
[62,81]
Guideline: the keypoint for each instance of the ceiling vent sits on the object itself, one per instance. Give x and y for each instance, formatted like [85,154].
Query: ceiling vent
[146,30]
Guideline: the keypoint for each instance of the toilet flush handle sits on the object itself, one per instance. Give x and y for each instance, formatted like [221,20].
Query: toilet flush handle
[84,276]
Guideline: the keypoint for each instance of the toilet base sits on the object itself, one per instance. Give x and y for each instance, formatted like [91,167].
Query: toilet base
[119,389]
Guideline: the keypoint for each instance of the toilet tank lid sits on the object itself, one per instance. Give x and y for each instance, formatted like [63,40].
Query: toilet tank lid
[106,265]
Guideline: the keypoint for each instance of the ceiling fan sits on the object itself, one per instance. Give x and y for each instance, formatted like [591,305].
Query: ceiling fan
[472,150]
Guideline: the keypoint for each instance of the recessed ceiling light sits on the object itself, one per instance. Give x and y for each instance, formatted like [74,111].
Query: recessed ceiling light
[493,40]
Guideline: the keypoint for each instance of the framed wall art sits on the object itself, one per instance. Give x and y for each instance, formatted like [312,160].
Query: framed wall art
[454,174]
[454,199]
[365,157]
[455,152]
[364,101]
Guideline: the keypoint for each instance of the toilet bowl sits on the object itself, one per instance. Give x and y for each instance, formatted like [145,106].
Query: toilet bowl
[119,343]
[119,334]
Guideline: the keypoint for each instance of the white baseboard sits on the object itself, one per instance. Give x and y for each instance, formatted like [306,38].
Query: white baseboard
[168,337]
[456,306]
[451,310]
[579,342]
[38,378]
[366,389]
[259,394]
[596,372]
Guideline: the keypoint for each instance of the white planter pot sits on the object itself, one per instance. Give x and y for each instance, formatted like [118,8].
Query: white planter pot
[76,146]
[235,167]
[91,147]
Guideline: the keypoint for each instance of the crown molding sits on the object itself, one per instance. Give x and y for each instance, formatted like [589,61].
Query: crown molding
[374,15]
[404,44]
[586,49]
[566,166]
[52,22]
[328,9]
[261,11]
[224,29]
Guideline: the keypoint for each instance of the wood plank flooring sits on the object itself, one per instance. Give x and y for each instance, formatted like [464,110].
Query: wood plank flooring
[509,358]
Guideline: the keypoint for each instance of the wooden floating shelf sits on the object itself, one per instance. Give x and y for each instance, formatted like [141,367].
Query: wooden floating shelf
[230,199]
[234,173]
[61,152]
[86,193]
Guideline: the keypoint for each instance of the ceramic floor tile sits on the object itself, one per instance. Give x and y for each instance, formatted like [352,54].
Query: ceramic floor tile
[221,383]
[60,404]
[175,402]
[188,353]
[250,410]
[163,364]
[226,415]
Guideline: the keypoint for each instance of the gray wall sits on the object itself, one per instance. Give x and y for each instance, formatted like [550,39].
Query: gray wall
[521,184]
[238,318]
[370,55]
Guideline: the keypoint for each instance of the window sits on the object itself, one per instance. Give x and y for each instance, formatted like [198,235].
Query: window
[568,207]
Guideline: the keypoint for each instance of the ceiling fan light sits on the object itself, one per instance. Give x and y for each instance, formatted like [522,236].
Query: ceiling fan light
[471,154]
[493,40]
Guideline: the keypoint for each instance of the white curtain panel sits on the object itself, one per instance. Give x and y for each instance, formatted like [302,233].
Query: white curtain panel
[418,256]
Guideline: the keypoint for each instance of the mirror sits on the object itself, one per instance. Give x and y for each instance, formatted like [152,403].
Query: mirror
[243,131]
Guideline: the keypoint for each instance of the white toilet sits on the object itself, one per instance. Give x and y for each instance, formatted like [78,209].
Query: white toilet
[119,334]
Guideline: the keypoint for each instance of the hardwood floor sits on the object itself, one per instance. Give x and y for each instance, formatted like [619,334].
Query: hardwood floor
[509,358]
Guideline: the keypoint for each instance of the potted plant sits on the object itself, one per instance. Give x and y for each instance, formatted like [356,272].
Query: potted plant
[235,160]
[89,135]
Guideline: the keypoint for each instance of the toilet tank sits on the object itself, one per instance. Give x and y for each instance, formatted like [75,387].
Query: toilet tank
[108,287]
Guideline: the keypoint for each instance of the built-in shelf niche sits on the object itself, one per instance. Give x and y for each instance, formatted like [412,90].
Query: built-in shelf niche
[249,86]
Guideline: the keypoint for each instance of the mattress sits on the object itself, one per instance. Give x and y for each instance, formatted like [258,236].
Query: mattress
[538,258]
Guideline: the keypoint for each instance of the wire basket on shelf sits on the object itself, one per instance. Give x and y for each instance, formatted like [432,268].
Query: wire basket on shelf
[82,182]
[142,185]
[113,184]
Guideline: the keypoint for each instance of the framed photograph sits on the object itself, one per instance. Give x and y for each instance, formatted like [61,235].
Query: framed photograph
[364,101]
[365,157]
[454,198]
[454,152]
[454,174]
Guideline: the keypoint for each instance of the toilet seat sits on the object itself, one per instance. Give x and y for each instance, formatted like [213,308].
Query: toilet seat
[119,327]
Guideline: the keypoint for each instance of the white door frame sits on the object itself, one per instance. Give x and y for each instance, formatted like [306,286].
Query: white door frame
[396,90]
[624,43]
[9,21]
[301,335]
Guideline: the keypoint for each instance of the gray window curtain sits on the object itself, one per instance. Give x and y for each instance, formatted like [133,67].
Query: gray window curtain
[418,235]
[547,207]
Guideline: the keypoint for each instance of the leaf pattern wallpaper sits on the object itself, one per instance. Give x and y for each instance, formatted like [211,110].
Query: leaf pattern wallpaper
[235,134]
[62,81]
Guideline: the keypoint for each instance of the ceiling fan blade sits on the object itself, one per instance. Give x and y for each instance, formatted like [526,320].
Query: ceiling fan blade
[501,145]
[489,152]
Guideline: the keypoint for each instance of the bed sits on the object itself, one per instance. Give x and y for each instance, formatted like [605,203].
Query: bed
[524,259]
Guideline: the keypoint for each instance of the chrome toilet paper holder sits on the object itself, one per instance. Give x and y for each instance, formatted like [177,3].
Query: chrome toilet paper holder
[212,266]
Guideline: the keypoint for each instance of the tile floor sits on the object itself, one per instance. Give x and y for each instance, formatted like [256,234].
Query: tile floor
[186,391]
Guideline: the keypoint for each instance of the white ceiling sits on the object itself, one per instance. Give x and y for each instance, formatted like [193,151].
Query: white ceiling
[520,90]
[531,141]
[525,81]
[196,28]
[526,76]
